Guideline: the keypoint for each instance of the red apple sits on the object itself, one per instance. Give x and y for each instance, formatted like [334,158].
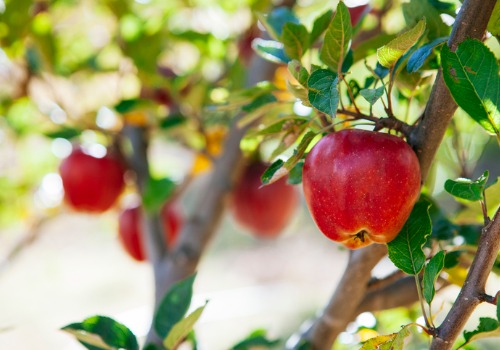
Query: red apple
[360,186]
[130,229]
[91,184]
[357,12]
[266,210]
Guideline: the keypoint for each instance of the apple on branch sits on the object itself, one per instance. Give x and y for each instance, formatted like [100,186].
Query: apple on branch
[264,210]
[91,184]
[360,186]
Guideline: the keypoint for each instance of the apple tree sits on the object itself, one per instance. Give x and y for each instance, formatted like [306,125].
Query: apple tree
[362,110]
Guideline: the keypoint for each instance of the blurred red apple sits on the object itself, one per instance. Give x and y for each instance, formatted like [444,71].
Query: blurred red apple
[360,186]
[357,12]
[130,229]
[91,184]
[266,210]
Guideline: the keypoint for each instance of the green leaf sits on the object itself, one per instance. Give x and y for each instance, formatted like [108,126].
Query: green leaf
[103,333]
[296,40]
[451,259]
[172,121]
[320,25]
[415,10]
[494,22]
[295,175]
[372,95]
[323,91]
[270,50]
[156,193]
[182,328]
[298,72]
[301,150]
[337,39]
[471,74]
[153,347]
[174,306]
[398,342]
[126,106]
[498,311]
[276,20]
[258,102]
[417,58]
[466,188]
[431,273]
[272,171]
[405,251]
[389,54]
[258,339]
[64,133]
[281,125]
[487,328]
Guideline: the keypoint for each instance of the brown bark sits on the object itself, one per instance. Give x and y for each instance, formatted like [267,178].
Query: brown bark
[473,290]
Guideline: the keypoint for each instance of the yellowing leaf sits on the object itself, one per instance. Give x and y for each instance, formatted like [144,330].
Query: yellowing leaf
[201,164]
[215,138]
[457,275]
[136,118]
[389,54]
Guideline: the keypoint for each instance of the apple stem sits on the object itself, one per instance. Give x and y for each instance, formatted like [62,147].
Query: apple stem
[361,235]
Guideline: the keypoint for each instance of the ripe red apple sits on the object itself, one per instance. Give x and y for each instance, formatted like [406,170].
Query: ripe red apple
[266,210]
[360,186]
[91,184]
[130,229]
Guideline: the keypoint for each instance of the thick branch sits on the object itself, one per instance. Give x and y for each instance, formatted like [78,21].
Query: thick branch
[471,22]
[350,291]
[399,293]
[473,290]
[139,162]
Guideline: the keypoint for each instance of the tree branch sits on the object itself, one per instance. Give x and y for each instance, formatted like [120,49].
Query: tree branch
[471,22]
[473,290]
[425,139]
[349,293]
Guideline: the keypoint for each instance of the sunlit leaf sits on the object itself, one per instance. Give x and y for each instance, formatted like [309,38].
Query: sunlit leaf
[472,76]
[405,251]
[182,328]
[466,188]
[390,53]
[103,333]
[494,22]
[487,328]
[337,39]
